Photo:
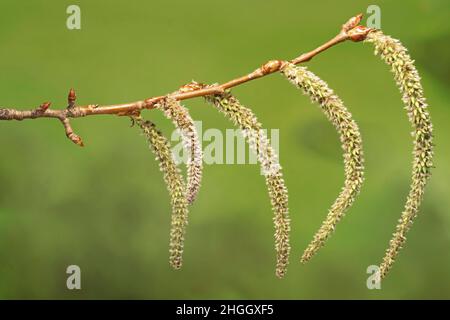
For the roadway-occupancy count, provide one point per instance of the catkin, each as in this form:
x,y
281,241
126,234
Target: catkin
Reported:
x,y
175,184
179,115
351,143
393,53
259,142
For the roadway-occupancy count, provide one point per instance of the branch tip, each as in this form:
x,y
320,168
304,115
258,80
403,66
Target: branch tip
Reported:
x,y
352,23
76,139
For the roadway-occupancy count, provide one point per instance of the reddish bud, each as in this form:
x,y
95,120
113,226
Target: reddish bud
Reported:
x,y
72,96
45,106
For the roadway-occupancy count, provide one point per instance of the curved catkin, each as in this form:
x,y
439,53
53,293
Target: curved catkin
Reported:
x,y
394,54
258,141
179,115
175,185
350,137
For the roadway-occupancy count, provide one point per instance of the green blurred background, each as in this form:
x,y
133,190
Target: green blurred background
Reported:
x,y
105,207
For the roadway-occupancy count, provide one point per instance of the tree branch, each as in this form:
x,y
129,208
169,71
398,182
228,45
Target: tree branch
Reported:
x,y
351,30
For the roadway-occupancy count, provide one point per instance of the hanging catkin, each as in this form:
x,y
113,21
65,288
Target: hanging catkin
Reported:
x,y
258,141
351,143
160,146
180,117
393,53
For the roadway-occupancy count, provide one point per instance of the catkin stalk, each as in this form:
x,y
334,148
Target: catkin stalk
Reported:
x,y
393,53
351,143
258,141
175,185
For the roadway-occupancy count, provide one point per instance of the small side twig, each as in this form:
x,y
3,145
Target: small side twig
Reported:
x,y
70,134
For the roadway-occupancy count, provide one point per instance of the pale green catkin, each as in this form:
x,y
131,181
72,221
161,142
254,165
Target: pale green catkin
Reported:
x,y
160,146
180,117
350,137
393,53
258,141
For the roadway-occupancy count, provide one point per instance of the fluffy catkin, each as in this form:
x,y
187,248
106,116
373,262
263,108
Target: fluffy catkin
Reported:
x,y
350,137
175,184
179,115
258,141
393,53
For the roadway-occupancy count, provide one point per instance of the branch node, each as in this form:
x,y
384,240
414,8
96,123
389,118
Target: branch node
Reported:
x,y
218,90
151,102
272,66
359,33
192,86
